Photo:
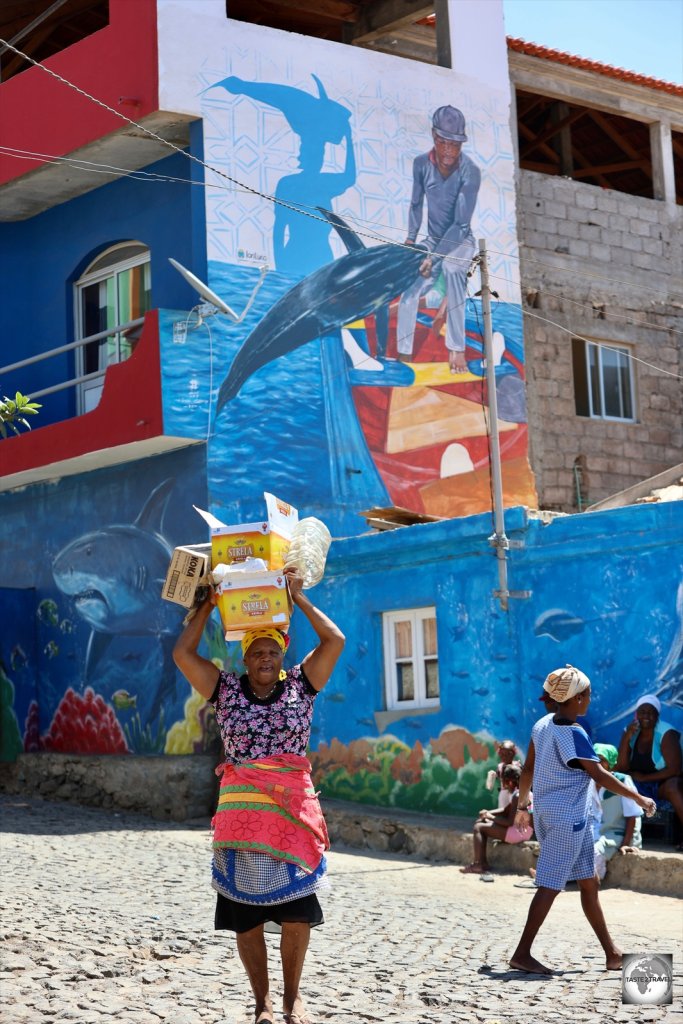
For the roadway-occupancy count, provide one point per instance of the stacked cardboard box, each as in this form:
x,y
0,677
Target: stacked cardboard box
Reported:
x,y
246,597
261,598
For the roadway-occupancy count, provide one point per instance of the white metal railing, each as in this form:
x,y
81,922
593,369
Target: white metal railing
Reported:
x,y
100,336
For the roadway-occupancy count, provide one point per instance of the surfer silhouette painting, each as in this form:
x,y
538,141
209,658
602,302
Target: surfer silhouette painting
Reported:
x,y
301,243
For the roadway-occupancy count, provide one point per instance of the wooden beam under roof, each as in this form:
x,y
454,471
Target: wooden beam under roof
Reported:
x,y
411,42
554,129
27,29
616,136
383,17
336,10
529,133
612,168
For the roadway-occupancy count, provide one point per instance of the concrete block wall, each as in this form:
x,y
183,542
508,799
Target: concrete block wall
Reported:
x,y
608,267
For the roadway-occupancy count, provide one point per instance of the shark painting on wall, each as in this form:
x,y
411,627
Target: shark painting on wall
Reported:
x,y
87,640
113,577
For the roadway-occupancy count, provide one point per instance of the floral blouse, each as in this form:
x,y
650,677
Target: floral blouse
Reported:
x,y
252,728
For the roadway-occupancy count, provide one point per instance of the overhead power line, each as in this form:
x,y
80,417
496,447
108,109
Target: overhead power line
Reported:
x,y
237,185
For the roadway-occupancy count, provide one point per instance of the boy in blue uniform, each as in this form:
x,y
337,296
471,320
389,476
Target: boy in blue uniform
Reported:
x,y
559,767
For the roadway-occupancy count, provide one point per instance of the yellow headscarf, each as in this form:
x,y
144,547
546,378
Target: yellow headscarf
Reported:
x,y
263,632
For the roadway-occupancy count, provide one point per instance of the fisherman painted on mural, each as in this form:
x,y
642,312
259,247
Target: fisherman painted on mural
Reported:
x,y
449,180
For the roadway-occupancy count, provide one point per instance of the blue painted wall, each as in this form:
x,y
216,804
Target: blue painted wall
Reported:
x,y
43,256
606,595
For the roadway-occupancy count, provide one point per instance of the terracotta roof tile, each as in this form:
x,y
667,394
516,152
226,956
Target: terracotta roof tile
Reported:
x,y
544,52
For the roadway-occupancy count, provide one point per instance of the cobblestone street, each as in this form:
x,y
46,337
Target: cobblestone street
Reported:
x,y
109,917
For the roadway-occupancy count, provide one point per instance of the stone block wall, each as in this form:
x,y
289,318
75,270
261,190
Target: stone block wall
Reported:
x,y
608,267
449,841
166,787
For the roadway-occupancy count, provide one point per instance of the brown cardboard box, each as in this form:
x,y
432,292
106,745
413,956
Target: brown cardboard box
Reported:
x,y
188,570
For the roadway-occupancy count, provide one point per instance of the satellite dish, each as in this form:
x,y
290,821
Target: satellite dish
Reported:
x,y
204,290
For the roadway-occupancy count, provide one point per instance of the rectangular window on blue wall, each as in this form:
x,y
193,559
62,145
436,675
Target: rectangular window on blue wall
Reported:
x,y
411,664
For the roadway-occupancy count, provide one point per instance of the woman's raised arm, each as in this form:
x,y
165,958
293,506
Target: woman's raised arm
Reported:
x,y
318,664
200,673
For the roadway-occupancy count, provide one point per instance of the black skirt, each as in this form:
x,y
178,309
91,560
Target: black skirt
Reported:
x,y
242,917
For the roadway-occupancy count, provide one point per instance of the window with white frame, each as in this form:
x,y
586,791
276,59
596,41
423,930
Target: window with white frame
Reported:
x,y
114,290
603,380
411,664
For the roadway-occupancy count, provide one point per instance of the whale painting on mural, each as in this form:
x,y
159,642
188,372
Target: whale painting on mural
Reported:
x,y
328,174
361,283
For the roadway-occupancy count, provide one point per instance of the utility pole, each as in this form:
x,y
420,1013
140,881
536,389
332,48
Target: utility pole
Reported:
x,y
498,540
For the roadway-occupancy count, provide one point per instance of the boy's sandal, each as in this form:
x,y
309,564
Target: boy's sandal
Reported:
x,y
486,877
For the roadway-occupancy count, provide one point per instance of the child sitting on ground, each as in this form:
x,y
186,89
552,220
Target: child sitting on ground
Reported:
x,y
506,751
616,827
499,824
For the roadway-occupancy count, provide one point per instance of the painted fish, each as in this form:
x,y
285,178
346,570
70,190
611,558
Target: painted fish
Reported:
x,y
123,701
17,658
48,612
558,624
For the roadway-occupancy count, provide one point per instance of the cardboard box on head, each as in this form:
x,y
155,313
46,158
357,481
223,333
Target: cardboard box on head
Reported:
x,y
269,539
253,598
246,601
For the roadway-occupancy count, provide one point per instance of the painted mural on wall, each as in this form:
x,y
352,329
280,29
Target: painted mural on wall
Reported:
x,y
343,386
359,363
85,658
446,776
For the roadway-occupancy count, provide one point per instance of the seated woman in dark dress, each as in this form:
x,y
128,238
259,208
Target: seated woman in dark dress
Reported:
x,y
650,752
269,833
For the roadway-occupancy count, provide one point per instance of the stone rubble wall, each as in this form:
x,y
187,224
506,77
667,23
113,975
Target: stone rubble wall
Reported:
x,y
170,788
586,252
450,841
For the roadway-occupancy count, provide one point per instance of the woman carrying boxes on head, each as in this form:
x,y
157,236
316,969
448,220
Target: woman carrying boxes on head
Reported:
x,y
269,832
